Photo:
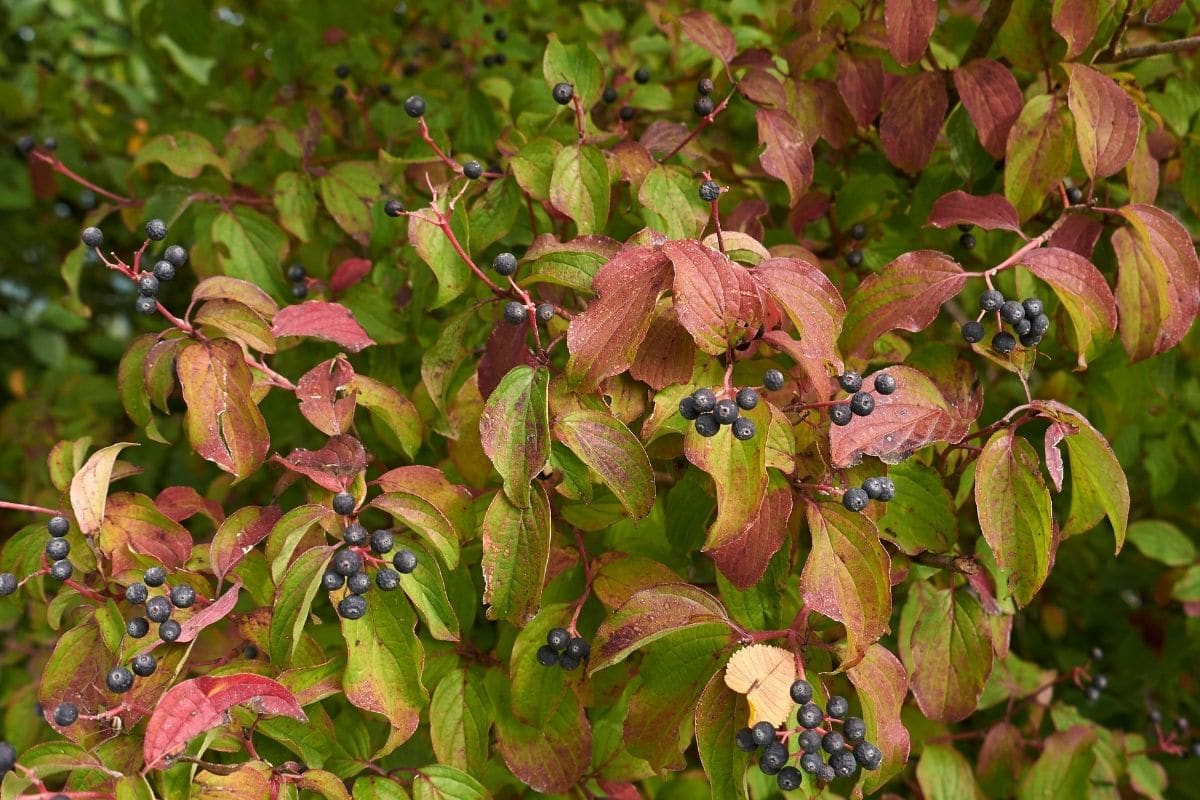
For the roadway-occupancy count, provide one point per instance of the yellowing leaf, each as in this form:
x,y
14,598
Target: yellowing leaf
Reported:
x,y
764,673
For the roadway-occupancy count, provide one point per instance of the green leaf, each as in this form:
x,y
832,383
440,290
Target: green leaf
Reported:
x,y
1013,504
1187,587
579,187
348,190
460,717
672,204
1040,147
370,787
515,429
392,411
293,602
922,515
439,782
533,166
186,154
1163,542
426,588
516,552
574,64
944,774
738,470
1063,768
296,201
550,758
251,247
720,713
603,443
435,249
651,614
424,500
195,67
495,214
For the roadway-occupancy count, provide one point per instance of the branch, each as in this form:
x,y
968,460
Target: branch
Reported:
x,y
1111,48
963,565
989,26
1153,49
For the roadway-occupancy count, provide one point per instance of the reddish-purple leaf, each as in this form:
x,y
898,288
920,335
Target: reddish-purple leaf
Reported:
x,y
787,154
1054,457
704,30
817,368
89,487
917,414
223,422
1081,289
325,396
506,348
237,536
221,287
913,110
210,614
184,502
348,273
907,294
195,706
649,615
514,429
1161,10
1077,233
604,339
743,559
333,467
424,500
1106,120
990,212
946,647
993,101
909,26
763,89
134,526
882,686
716,300
668,354
321,320
1158,281
860,82
847,576
811,302
1076,21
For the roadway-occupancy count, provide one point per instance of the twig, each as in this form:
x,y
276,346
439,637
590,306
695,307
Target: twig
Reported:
x,y
1153,49
64,170
25,507
964,565
989,26
1111,48
704,123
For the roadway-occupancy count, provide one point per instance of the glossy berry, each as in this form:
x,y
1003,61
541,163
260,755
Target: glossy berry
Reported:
x,y
811,762
145,305
547,656
387,579
641,75
473,170
8,583
57,549
854,258
354,535
382,542
568,662
156,230
858,231
862,403
991,300
705,400
887,490
137,627
705,86
562,93
687,408
1033,306
92,237
1075,195
967,241
609,95
833,742
850,381
1041,324
143,665
344,503
155,576
789,779
873,487
296,273
65,715
810,716
544,312
170,630
744,739
158,609
58,526
764,733
801,691
62,570
176,255
774,757
183,596
747,399
393,208
358,583
707,425
743,429
703,106
515,312
164,270
405,561
844,764
331,580
972,332
1022,327
346,563
840,414
505,264
579,648
868,755
726,411
415,106
855,500
709,191
147,284
885,384
1004,343
558,638
773,380
626,113
1012,312
837,707
353,606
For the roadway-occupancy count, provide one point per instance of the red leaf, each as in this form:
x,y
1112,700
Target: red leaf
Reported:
x,y
1161,10
348,273
333,467
223,421
811,302
787,154
668,354
744,558
990,212
505,349
909,26
913,110
183,502
716,300
907,294
132,524
1076,21
238,534
917,414
604,339
1054,458
320,320
1106,120
1078,233
212,613
882,685
318,390
993,101
222,287
190,708
860,82
701,28
763,89
1081,289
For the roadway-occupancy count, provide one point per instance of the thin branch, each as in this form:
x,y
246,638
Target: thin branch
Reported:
x,y
24,507
989,26
1113,43
963,565
1153,49
64,170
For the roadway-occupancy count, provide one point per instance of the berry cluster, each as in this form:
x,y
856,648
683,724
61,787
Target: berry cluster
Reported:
x,y
148,282
708,413
861,403
854,257
516,312
844,751
349,566
57,551
1027,319
563,649
966,238
298,277
881,489
704,103
158,608
343,72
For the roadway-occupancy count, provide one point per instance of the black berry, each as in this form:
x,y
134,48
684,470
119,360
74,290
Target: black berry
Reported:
x,y
810,741
609,95
414,107
854,729
854,258
837,707
158,609
1022,327
299,291
547,656
1041,324
705,400
387,579
811,762
687,408
641,75
58,525
384,89
868,755
703,106
773,380
65,715
709,191
810,716
501,35
342,71
873,487
825,773
183,596
382,542
844,764
745,740
8,757
505,264
568,662
858,231
515,312
544,312
991,300
352,606
764,733
331,580
92,237
164,270
62,570
147,284
1033,306
344,503
472,170
850,381
170,630
346,563
1012,312
358,583
1004,343
747,399
405,561
354,535
176,255
562,93
743,429
393,208
972,332
145,305
626,113
338,93
143,665
840,414
855,499
726,411
558,638
57,549
156,230
154,577
1075,195
832,742
887,490
707,425
8,583
862,403
884,383
26,144
967,241
705,86
579,648
789,779
296,273
801,691
137,627
774,757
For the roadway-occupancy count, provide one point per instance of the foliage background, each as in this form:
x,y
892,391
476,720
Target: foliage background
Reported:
x,y
106,78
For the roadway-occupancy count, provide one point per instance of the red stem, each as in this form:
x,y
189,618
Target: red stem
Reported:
x,y
24,507
64,170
